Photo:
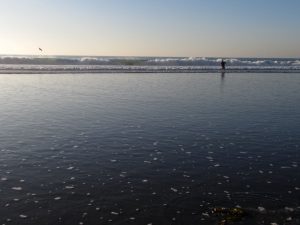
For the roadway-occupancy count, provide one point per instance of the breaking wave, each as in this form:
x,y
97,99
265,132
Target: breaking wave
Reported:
x,y
143,64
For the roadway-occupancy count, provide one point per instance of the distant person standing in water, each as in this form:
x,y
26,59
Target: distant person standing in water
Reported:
x,y
223,64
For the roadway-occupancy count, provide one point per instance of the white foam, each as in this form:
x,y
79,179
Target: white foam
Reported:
x,y
55,64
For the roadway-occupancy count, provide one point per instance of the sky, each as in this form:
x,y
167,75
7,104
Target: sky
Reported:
x,y
191,28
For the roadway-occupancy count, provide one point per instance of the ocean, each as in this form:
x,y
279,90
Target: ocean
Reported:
x,y
88,64
149,148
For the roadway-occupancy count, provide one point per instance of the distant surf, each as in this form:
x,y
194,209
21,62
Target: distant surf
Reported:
x,y
79,64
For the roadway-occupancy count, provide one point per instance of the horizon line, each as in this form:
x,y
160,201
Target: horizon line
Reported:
x,y
141,56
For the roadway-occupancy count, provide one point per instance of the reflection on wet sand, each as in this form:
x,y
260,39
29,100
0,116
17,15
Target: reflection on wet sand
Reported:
x,y
149,149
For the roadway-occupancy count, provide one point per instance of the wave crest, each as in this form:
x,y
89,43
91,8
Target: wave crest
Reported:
x,y
144,63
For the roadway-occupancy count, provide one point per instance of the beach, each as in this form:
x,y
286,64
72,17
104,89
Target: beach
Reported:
x,y
149,112
150,148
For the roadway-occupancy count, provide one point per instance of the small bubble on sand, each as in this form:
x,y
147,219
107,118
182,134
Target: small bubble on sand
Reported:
x,y
17,188
174,189
261,209
69,187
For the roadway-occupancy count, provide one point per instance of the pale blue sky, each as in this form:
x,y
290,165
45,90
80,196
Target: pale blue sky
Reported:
x,y
260,28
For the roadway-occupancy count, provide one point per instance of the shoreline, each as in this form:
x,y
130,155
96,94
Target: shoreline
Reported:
x,y
91,71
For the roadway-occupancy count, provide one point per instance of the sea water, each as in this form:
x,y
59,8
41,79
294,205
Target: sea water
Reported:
x,y
88,64
149,148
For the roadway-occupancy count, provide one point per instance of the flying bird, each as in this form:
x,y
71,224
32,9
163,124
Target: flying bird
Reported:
x,y
40,49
